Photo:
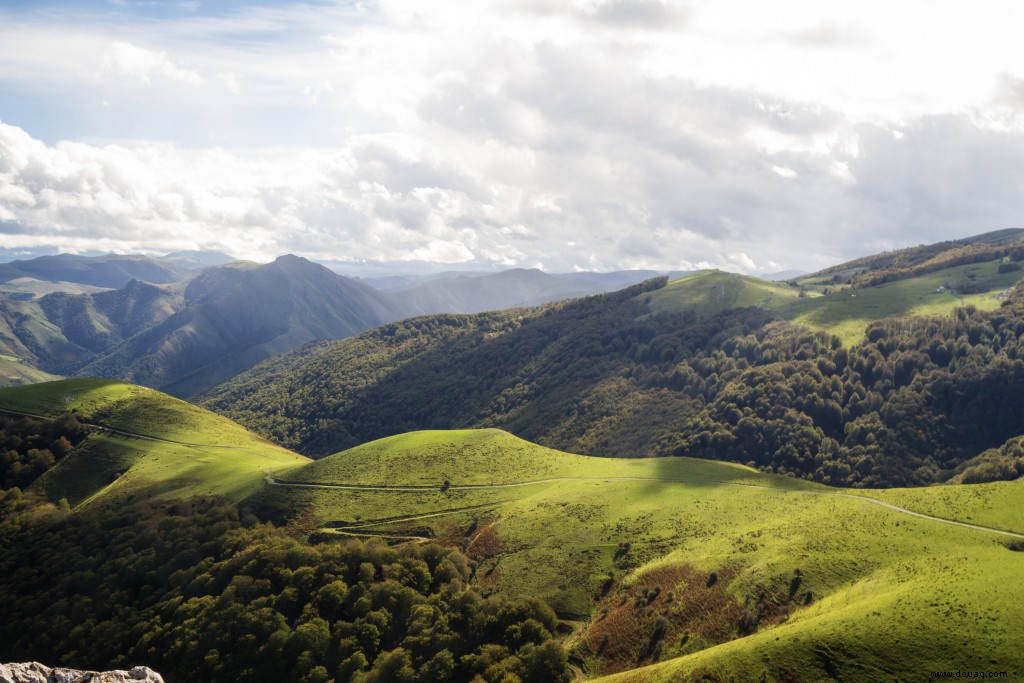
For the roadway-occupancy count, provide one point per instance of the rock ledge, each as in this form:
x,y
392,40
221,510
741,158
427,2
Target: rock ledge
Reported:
x,y
34,672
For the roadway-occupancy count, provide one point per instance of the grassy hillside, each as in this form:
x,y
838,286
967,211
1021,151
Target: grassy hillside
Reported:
x,y
713,291
152,445
843,311
900,264
848,312
678,369
492,457
809,582
688,569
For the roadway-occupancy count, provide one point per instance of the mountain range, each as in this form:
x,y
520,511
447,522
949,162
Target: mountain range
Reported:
x,y
854,384
182,325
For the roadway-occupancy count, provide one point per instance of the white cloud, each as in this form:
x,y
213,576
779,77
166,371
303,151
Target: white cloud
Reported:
x,y
499,132
138,62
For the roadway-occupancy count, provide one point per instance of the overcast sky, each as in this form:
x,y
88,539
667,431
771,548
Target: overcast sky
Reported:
x,y
565,135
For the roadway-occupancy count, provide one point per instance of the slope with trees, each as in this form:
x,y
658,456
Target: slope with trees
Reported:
x,y
606,376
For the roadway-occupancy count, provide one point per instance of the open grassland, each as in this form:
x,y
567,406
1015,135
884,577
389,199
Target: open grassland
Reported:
x,y
492,456
713,291
846,313
150,444
842,312
707,568
999,504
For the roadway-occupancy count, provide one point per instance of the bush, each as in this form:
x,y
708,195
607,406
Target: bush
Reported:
x,y
1008,267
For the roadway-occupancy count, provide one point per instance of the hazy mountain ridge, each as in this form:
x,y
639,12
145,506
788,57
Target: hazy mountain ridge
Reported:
x,y
99,321
237,315
219,320
109,271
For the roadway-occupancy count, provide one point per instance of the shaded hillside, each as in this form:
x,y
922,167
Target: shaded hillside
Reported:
x,y
183,338
27,337
98,321
109,271
61,332
607,376
237,315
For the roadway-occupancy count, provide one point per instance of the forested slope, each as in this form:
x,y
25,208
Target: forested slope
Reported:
x,y
917,399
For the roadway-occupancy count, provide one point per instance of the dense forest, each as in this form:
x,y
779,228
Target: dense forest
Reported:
x,y
198,591
911,405
30,446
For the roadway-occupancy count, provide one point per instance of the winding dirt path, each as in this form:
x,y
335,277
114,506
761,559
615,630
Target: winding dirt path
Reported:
x,y
455,487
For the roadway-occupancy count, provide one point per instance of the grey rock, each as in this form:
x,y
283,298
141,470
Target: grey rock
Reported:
x,y
34,672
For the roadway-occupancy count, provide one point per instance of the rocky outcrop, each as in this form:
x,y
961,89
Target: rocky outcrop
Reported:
x,y
34,672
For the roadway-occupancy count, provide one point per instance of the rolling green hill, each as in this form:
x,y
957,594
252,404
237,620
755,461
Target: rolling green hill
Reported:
x,y
146,443
728,573
660,568
711,365
844,311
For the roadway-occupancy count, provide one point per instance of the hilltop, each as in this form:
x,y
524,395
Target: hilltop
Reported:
x,y
701,566
139,440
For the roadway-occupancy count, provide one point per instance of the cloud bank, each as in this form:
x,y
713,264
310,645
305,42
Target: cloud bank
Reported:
x,y
594,135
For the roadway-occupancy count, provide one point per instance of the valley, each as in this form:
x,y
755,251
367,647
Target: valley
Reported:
x,y
815,582
854,512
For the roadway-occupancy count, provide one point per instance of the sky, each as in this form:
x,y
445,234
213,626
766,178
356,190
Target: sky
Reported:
x,y
564,135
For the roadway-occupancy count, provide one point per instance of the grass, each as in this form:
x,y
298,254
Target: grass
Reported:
x,y
997,504
712,291
626,548
189,451
892,595
15,373
846,312
493,456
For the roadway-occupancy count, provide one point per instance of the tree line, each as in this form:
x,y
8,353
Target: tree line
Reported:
x,y
199,591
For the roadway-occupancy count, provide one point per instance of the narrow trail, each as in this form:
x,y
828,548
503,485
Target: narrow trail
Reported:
x,y
455,487
367,534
